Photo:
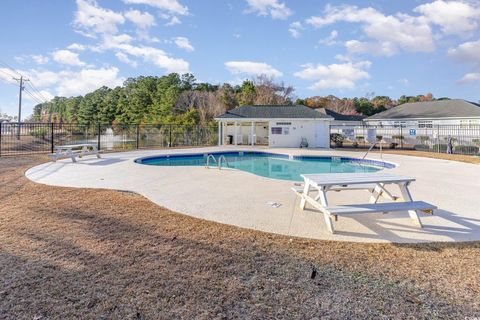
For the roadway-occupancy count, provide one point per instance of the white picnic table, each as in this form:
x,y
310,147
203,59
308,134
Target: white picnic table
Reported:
x,y
374,183
74,150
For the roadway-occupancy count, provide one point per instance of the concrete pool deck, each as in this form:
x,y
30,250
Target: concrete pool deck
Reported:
x,y
241,198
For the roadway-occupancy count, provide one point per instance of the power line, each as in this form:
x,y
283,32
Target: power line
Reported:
x,y
38,92
9,67
8,74
34,97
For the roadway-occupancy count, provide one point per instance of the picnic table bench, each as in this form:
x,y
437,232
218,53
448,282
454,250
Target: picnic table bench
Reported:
x,y
74,150
374,183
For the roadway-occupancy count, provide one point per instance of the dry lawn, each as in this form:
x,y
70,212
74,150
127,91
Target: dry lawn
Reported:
x,y
72,253
425,154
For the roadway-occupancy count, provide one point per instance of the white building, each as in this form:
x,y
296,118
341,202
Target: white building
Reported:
x,y
428,114
274,126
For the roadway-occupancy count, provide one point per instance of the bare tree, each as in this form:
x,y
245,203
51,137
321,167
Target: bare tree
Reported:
x,y
271,93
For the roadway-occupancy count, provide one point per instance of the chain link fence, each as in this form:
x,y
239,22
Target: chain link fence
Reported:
x,y
32,138
433,138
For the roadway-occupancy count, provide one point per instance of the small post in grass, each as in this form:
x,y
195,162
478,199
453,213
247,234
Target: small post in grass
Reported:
x,y
52,144
98,142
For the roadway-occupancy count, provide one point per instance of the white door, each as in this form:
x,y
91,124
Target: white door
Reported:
x,y
322,135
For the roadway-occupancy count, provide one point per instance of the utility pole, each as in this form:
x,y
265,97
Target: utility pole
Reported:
x,y
21,80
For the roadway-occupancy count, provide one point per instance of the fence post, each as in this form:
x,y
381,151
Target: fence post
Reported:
x,y
0,139
170,136
401,136
52,145
98,142
138,136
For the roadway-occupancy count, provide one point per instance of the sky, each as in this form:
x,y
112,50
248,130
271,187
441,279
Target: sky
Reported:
x,y
344,48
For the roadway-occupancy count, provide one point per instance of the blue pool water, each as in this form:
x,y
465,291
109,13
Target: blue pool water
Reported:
x,y
270,165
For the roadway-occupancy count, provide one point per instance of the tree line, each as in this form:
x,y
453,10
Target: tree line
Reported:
x,y
366,106
181,99
172,98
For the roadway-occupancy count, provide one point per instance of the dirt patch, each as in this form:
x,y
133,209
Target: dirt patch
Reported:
x,y
82,253
425,154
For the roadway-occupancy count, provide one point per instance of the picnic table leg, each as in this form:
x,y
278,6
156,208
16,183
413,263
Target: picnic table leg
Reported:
x,y
381,191
376,192
326,216
71,155
408,197
95,150
56,155
306,190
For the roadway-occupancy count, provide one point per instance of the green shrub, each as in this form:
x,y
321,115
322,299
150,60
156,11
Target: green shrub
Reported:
x,y
421,147
476,141
398,137
466,149
360,138
40,132
440,147
337,139
379,138
393,145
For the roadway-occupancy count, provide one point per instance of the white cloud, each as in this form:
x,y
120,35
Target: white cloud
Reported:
x,y
173,21
143,20
454,17
6,75
466,52
470,77
183,43
334,76
76,47
87,80
71,83
67,57
39,59
295,29
404,81
272,8
385,48
42,96
172,6
400,31
125,59
157,57
252,68
330,40
94,19
36,58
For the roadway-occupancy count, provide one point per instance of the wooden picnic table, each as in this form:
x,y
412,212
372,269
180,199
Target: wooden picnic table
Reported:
x,y
374,183
74,150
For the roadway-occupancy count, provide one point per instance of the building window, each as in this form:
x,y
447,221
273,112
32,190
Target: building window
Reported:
x,y
284,123
399,124
276,130
425,124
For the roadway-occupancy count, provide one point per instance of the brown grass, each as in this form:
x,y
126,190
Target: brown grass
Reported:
x,y
425,154
78,253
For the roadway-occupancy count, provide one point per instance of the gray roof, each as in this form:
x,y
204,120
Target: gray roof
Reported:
x,y
341,117
273,112
455,108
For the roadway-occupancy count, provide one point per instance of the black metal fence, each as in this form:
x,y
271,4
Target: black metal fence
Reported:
x,y
434,138
31,138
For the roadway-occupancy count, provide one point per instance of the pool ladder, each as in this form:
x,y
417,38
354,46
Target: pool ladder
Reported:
x,y
218,162
370,149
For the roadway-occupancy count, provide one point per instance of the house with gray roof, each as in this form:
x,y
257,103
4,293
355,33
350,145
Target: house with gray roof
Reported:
x,y
429,113
274,126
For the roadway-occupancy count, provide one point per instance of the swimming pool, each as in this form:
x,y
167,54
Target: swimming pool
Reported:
x,y
272,165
